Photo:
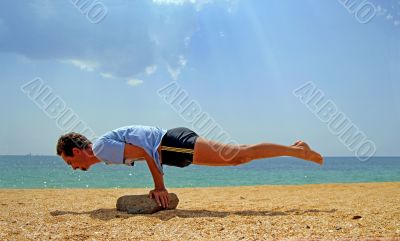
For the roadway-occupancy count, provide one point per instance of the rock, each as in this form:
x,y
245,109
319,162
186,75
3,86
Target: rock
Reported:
x,y
357,217
142,204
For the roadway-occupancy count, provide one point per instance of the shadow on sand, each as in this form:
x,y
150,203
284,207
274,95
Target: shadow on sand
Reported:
x,y
165,215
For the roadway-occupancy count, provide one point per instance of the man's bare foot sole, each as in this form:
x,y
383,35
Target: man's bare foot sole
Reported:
x,y
310,155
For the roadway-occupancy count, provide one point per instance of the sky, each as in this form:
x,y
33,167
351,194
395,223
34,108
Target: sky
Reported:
x,y
240,61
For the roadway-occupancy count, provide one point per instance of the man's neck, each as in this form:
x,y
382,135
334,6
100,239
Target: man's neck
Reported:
x,y
93,159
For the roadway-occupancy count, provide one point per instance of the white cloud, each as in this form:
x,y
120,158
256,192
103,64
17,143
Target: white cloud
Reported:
x,y
380,10
174,2
389,17
197,3
163,39
151,69
182,61
107,75
397,23
186,41
134,82
83,64
175,72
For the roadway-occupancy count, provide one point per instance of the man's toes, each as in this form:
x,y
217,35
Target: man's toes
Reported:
x,y
296,143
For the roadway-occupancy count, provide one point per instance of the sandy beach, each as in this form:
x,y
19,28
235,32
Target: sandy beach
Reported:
x,y
319,211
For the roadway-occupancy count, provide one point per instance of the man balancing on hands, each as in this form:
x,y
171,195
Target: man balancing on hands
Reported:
x,y
178,147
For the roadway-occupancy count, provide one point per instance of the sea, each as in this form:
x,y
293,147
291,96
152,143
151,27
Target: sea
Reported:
x,y
32,171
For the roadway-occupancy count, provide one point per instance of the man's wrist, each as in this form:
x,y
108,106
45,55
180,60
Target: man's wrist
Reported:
x,y
157,187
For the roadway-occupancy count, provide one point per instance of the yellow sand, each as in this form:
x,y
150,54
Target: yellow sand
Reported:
x,y
229,213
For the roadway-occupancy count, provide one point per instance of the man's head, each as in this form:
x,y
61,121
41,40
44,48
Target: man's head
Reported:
x,y
76,150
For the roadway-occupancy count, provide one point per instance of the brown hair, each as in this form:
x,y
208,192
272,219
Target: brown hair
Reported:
x,y
71,140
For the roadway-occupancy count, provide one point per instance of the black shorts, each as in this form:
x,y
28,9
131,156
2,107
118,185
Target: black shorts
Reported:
x,y
177,147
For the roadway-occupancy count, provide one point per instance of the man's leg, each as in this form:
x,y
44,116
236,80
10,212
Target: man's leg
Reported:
x,y
212,153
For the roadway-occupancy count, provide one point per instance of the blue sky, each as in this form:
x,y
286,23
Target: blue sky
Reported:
x,y
240,60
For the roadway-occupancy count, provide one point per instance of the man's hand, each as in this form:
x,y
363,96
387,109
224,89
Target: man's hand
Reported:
x,y
161,196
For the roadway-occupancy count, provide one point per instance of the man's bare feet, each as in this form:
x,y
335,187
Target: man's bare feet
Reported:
x,y
309,154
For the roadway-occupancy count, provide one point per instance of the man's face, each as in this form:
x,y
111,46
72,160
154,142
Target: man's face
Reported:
x,y
79,160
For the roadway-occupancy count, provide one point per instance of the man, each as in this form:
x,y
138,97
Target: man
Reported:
x,y
178,147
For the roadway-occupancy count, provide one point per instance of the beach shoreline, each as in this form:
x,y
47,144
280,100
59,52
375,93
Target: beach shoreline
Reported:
x,y
311,211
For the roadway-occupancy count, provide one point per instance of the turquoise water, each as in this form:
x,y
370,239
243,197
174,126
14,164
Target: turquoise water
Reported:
x,y
51,172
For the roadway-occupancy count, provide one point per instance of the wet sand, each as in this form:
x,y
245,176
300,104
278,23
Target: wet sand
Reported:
x,y
318,211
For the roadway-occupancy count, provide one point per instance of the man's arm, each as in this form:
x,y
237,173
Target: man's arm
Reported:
x,y
157,176
160,193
